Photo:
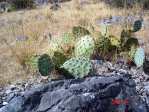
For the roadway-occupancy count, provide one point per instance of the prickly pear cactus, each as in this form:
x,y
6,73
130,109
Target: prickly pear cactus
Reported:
x,y
139,57
33,62
84,47
114,41
125,35
58,59
103,43
67,38
45,65
137,25
79,31
131,42
78,67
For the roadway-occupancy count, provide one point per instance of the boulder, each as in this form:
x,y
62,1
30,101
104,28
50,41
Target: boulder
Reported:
x,y
91,94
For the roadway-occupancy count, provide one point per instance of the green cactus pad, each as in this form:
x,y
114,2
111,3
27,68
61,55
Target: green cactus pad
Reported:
x,y
103,43
84,47
139,57
125,35
67,38
114,41
78,67
131,42
58,59
79,31
45,65
137,25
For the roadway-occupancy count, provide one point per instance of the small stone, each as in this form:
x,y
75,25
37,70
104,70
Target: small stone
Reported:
x,y
5,103
21,38
8,91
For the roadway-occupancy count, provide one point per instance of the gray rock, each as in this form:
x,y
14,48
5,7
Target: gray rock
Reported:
x,y
21,38
92,94
14,105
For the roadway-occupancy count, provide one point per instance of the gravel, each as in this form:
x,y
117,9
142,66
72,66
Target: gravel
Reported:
x,y
99,68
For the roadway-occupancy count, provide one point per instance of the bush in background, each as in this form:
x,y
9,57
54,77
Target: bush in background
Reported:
x,y
22,4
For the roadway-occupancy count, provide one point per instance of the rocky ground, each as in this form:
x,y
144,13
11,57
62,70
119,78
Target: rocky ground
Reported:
x,y
100,69
9,93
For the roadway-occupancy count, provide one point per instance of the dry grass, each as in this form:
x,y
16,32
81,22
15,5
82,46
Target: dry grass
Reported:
x,y
36,23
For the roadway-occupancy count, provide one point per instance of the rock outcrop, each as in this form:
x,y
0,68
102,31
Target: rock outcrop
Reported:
x,y
91,94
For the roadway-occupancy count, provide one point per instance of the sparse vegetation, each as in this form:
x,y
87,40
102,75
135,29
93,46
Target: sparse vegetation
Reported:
x,y
67,27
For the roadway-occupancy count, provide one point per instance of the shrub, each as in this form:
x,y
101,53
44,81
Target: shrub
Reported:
x,y
22,4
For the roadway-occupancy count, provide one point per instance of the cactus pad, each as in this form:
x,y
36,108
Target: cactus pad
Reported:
x,y
58,59
104,43
67,38
131,42
114,41
45,65
137,25
84,47
79,31
78,67
139,57
125,35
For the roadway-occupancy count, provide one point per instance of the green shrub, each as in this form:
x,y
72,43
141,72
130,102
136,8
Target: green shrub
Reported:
x,y
22,4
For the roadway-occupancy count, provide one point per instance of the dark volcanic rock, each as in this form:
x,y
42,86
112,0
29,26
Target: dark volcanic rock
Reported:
x,y
92,94
146,66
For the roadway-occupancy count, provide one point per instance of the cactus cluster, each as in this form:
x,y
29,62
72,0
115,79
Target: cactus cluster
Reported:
x,y
78,67
84,47
74,50
127,39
